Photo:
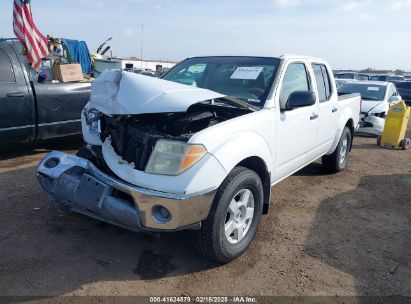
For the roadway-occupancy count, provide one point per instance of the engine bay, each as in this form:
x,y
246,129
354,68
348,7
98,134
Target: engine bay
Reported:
x,y
133,137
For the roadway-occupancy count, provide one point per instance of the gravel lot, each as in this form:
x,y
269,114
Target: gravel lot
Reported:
x,y
343,234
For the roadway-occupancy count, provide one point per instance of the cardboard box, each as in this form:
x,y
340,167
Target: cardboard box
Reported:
x,y
67,72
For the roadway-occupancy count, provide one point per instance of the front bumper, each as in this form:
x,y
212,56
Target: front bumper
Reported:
x,y
77,185
370,124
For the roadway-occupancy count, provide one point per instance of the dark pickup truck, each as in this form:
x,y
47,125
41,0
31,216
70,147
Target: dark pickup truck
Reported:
x,y
31,111
404,89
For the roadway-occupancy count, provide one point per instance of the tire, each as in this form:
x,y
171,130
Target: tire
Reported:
x,y
405,144
337,161
211,240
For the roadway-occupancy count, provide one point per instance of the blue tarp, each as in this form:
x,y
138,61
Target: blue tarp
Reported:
x,y
79,53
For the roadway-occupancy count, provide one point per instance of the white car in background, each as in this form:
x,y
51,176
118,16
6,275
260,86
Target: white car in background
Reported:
x,y
377,97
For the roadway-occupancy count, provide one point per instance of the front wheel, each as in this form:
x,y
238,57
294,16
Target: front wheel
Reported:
x,y
337,161
234,217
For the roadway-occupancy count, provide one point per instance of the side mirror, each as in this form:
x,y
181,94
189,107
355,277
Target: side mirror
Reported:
x,y
395,99
299,99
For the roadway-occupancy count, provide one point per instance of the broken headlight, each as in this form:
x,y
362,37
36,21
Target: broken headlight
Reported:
x,y
93,120
174,157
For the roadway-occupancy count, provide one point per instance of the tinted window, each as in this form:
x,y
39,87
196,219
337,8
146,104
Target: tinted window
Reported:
x,y
395,78
345,76
404,85
6,70
295,79
379,78
362,77
246,78
323,82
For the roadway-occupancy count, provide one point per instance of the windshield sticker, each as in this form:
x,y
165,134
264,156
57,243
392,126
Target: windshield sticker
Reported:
x,y
247,73
373,89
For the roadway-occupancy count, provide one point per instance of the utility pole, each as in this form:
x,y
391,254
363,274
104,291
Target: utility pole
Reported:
x,y
141,50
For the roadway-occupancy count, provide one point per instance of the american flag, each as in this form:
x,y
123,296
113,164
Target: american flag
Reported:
x,y
25,30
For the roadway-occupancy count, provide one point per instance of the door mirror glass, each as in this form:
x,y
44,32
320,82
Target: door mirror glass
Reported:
x,y
299,99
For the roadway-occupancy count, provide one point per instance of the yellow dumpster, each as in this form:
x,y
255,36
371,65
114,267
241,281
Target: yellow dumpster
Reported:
x,y
395,127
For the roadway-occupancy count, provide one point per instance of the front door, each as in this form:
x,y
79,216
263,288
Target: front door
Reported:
x,y
296,129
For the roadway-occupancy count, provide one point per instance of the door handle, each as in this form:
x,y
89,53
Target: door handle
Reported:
x,y
313,116
15,94
334,110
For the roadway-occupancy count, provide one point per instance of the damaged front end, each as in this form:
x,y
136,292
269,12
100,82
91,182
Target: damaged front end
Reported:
x,y
77,185
134,137
372,122
139,169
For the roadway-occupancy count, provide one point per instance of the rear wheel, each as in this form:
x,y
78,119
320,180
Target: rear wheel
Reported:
x,y
337,161
234,217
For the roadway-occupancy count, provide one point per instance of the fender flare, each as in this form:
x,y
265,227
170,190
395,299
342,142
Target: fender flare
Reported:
x,y
246,145
249,147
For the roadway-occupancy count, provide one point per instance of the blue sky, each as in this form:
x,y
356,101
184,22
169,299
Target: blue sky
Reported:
x,y
349,34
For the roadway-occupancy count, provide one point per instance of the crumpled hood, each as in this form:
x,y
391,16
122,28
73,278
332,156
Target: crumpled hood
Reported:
x,y
120,93
374,106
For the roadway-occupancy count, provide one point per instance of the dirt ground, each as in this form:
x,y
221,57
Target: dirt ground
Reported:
x,y
343,234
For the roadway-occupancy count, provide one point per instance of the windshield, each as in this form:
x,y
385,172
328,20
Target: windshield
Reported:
x,y
246,78
367,91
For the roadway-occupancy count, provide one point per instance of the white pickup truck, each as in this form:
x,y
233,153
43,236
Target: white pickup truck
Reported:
x,y
201,148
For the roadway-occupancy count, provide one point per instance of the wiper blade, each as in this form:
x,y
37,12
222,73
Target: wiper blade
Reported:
x,y
238,103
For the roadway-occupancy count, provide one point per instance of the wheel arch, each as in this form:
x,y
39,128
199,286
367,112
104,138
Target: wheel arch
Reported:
x,y
350,126
252,152
258,165
344,122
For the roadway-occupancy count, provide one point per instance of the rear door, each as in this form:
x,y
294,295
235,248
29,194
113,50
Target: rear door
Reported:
x,y
327,108
59,108
296,129
17,116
